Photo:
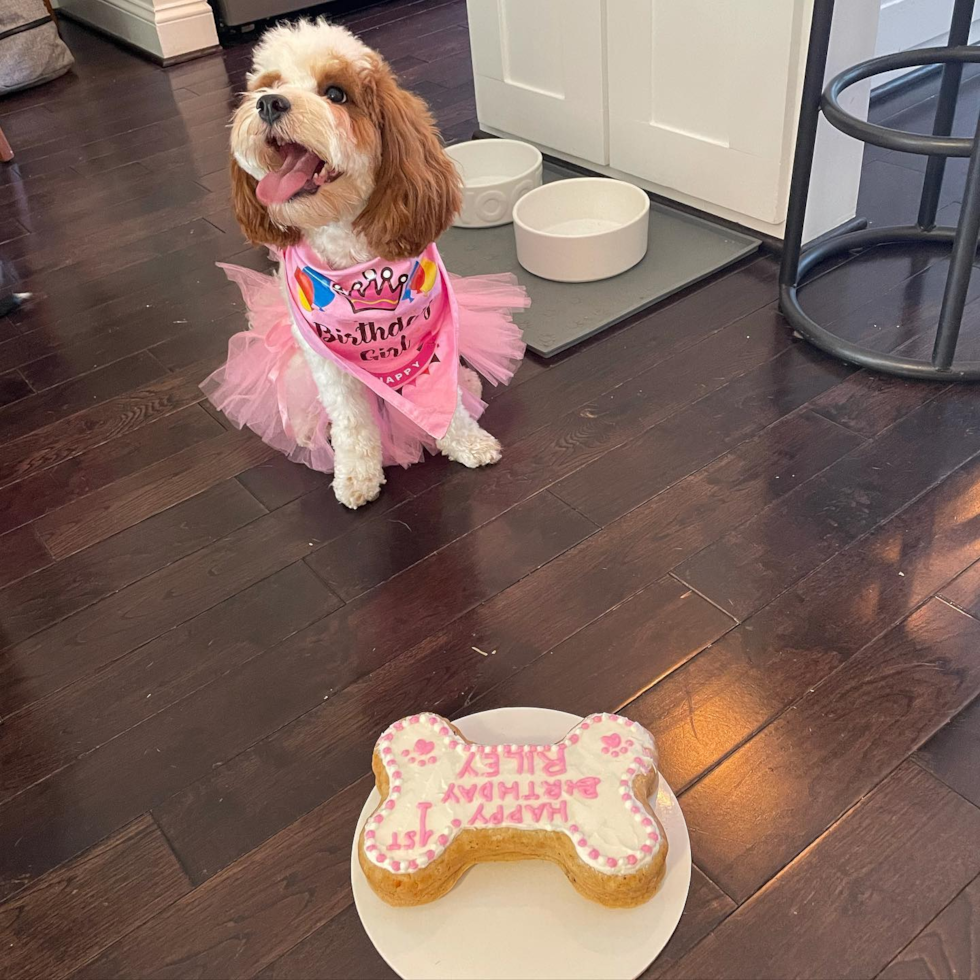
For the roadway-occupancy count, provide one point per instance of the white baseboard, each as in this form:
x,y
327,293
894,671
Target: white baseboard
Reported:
x,y
164,29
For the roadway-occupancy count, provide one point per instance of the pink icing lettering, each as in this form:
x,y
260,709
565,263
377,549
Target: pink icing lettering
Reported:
x,y
468,792
491,764
486,791
505,790
515,815
497,817
555,766
517,755
424,833
587,787
478,816
529,754
530,794
468,768
450,795
537,812
551,788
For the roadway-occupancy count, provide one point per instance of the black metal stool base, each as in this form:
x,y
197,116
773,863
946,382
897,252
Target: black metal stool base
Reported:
x,y
906,367
962,239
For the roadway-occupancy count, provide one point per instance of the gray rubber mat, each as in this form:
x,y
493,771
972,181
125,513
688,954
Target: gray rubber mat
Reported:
x,y
683,249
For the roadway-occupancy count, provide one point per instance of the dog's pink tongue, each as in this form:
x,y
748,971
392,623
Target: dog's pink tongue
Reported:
x,y
297,168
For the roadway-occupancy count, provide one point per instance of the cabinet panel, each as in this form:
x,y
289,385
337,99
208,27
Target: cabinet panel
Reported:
x,y
539,67
702,96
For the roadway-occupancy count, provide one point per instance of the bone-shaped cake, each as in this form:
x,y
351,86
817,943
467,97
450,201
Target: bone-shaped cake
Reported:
x,y
447,804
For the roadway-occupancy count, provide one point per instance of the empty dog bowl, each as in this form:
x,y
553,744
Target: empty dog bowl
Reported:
x,y
582,229
496,174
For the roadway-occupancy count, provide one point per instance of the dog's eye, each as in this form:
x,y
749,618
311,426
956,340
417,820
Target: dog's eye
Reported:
x,y
335,94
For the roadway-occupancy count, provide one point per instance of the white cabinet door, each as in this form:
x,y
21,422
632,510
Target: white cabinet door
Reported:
x,y
539,67
702,96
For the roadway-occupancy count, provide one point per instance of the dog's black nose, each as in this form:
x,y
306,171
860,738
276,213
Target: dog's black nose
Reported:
x,y
272,107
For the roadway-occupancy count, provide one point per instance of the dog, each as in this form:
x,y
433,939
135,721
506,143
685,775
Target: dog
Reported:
x,y
328,150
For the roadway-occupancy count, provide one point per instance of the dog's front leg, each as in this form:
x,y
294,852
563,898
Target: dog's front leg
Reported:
x,y
465,442
358,475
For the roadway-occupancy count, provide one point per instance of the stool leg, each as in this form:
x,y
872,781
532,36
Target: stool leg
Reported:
x,y
960,264
806,139
949,90
6,153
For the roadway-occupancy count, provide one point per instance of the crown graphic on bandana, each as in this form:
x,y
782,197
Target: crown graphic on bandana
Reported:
x,y
374,291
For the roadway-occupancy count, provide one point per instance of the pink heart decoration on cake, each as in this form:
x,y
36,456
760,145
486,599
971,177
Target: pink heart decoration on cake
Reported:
x,y
613,741
424,748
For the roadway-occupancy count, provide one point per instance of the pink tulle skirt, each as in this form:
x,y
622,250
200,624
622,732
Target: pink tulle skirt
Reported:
x,y
266,384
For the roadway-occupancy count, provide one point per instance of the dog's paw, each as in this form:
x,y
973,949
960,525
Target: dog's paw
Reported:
x,y
355,488
478,449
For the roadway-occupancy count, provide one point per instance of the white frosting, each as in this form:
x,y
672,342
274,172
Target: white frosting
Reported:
x,y
440,785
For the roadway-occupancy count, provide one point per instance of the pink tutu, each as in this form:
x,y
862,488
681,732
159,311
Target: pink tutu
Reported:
x,y
266,384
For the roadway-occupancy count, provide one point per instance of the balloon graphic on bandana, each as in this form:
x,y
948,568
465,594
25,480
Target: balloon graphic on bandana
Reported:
x,y
315,290
421,279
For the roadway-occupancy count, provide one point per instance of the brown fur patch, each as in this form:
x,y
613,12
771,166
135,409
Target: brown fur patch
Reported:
x,y
252,216
268,79
417,187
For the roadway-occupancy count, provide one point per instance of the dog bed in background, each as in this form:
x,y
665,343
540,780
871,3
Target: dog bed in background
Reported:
x,y
31,52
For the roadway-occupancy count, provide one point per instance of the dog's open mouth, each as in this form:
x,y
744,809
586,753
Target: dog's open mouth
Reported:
x,y
301,172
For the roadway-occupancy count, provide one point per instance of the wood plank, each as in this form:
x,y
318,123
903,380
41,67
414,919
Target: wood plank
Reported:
x,y
85,430
964,591
952,753
831,748
23,554
705,709
464,500
194,581
48,408
339,948
277,481
13,387
707,905
73,913
647,636
378,625
241,920
753,564
46,490
844,908
635,471
132,499
54,731
948,947
45,597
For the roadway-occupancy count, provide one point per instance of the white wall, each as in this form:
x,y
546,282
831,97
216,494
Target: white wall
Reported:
x,y
907,24
165,29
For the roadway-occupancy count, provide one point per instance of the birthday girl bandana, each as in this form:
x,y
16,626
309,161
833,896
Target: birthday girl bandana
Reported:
x,y
393,325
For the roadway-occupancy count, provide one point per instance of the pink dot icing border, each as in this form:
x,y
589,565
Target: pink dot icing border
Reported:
x,y
640,766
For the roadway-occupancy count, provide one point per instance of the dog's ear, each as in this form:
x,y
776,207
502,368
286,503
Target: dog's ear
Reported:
x,y
417,188
253,218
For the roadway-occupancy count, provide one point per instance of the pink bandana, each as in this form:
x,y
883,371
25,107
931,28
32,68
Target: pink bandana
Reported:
x,y
394,325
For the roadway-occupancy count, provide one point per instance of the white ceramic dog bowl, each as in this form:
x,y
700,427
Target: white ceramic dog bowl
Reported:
x,y
496,175
582,229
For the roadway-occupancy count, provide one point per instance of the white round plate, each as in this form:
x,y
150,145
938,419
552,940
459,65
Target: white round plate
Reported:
x,y
523,919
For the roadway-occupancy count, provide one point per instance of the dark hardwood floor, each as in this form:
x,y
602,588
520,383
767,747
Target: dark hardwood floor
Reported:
x,y
770,559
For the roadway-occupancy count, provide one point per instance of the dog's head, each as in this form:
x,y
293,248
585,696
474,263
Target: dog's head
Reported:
x,y
324,134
